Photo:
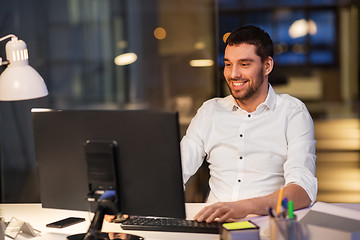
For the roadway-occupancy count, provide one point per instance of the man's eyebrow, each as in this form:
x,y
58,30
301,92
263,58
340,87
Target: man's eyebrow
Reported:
x,y
241,60
246,60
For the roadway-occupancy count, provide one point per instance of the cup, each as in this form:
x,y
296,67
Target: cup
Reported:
x,y
285,229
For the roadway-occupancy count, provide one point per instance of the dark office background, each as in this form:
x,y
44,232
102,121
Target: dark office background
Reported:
x,y
73,44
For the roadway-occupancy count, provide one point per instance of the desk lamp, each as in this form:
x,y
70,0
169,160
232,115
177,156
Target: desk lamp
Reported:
x,y
18,81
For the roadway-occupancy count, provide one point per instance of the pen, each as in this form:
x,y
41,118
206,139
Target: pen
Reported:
x,y
271,214
291,209
285,203
278,206
284,207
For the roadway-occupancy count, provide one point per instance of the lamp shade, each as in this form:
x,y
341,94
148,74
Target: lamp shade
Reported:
x,y
19,81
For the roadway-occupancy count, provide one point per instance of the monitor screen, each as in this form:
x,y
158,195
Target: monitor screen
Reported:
x,y
148,161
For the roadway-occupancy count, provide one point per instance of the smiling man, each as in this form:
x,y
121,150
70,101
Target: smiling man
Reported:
x,y
255,141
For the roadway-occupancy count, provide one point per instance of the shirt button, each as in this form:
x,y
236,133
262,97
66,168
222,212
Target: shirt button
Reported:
x,y
241,135
249,115
239,180
241,157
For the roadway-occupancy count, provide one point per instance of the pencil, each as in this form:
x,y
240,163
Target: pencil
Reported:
x,y
278,206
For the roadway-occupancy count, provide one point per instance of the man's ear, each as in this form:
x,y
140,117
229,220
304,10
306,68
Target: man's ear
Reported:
x,y
268,65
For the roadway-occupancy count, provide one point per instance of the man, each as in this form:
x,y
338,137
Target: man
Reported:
x,y
254,140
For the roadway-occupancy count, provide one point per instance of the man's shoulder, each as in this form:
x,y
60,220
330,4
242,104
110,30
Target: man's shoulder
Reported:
x,y
291,101
218,104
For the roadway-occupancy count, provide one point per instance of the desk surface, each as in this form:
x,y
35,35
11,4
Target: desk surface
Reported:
x,y
38,217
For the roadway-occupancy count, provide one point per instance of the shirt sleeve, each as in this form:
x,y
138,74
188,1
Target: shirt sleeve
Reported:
x,y
299,167
192,147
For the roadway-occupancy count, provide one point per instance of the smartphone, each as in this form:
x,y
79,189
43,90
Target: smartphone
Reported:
x,y
100,159
65,222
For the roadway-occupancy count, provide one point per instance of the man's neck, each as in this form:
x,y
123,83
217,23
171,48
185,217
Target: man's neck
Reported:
x,y
252,103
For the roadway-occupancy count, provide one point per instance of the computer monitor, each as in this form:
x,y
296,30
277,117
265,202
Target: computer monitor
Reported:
x,y
148,161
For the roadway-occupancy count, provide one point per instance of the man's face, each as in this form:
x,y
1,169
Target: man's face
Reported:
x,y
244,72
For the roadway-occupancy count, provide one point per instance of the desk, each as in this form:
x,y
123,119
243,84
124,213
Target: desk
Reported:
x,y
38,217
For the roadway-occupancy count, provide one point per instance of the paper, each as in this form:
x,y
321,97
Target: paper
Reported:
x,y
239,225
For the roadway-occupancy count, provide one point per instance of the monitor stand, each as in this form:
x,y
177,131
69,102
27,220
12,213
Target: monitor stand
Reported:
x,y
105,236
94,231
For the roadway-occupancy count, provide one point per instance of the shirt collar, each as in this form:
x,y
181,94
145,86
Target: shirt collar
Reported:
x,y
269,102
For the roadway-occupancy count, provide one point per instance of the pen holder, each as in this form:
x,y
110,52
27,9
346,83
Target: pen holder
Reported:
x,y
284,229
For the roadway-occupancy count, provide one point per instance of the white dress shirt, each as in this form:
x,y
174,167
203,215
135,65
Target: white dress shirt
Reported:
x,y
251,154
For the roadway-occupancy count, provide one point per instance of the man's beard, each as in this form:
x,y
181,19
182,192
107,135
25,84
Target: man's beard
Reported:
x,y
249,91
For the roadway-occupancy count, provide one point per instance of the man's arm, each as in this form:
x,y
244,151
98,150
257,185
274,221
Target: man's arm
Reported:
x,y
228,211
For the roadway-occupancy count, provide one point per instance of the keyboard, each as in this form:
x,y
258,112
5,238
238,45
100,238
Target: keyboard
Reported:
x,y
170,225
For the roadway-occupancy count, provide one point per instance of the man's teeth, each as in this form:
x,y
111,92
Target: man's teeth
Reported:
x,y
237,84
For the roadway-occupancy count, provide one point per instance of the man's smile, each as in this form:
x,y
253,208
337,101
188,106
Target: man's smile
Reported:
x,y
238,84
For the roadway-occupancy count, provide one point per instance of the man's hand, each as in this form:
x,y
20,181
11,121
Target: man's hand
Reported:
x,y
221,212
231,211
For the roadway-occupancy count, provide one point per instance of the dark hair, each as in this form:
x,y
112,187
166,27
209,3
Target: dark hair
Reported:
x,y
254,36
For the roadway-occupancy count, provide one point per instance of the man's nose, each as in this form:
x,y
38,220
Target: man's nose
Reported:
x,y
236,72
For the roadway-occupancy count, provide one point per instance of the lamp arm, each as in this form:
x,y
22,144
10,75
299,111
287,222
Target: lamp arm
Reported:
x,y
8,36
2,39
3,62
